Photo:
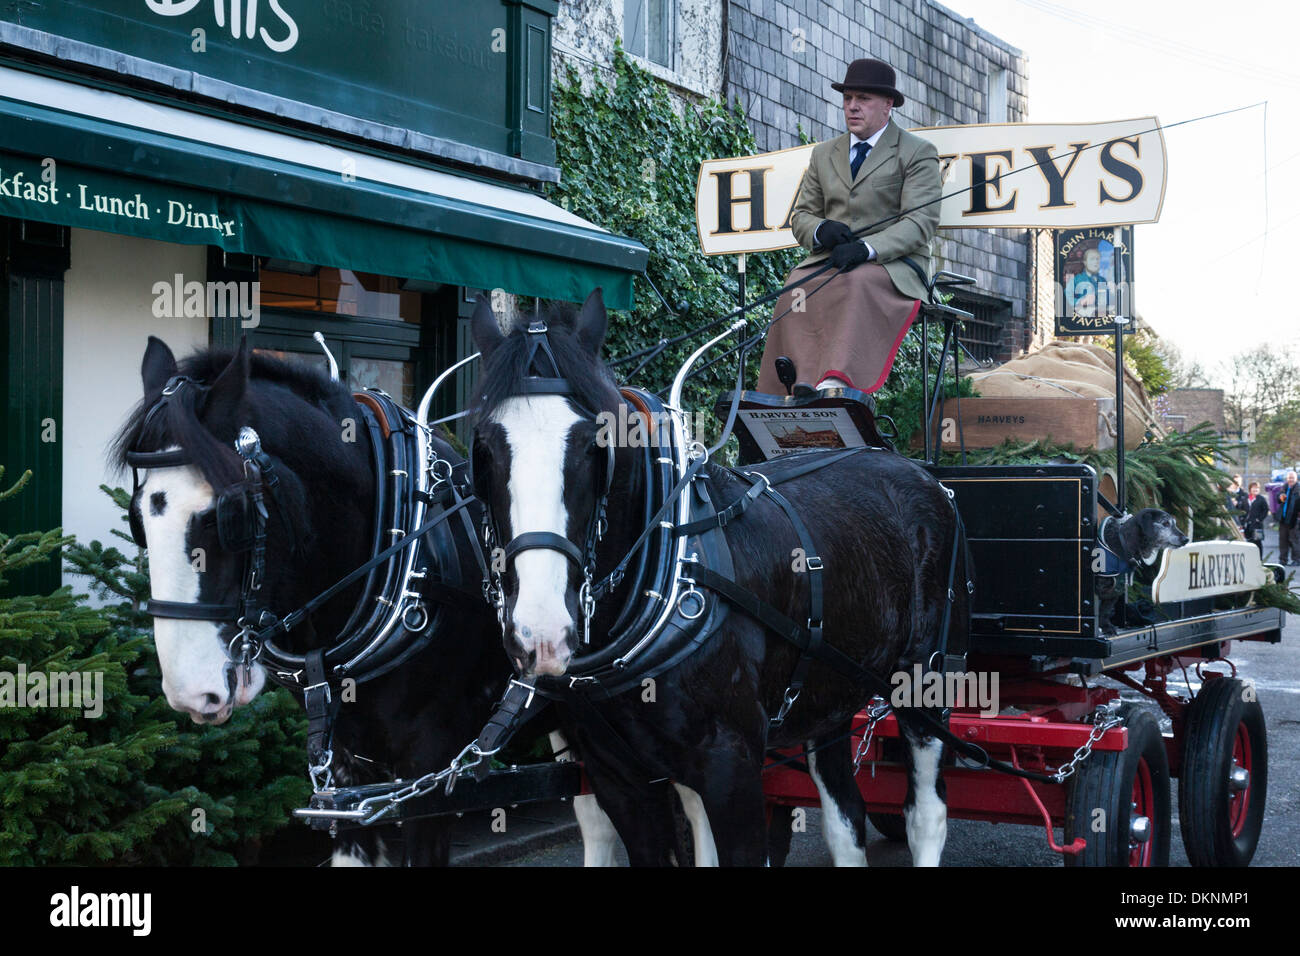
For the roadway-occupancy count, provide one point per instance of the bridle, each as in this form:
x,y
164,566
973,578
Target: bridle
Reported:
x,y
417,495
240,517
543,380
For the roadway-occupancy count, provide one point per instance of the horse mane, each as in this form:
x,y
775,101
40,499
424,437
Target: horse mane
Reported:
x,y
180,425
593,384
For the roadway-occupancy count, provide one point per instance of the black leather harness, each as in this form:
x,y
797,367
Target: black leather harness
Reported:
x,y
371,643
610,670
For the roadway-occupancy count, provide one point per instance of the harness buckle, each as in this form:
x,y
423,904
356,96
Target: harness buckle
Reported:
x,y
528,687
786,703
325,684
813,562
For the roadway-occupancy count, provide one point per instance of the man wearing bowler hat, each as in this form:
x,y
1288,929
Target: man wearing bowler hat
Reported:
x,y
869,203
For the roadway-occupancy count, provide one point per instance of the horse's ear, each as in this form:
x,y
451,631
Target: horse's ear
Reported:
x,y
228,390
593,320
484,328
158,366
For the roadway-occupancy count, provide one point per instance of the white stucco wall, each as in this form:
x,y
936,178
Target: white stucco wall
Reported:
x,y
583,34
108,317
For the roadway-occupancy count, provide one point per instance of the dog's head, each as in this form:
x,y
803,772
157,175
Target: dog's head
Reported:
x,y
1143,535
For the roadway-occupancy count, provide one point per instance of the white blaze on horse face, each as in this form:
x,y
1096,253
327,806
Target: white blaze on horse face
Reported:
x,y
190,653
537,430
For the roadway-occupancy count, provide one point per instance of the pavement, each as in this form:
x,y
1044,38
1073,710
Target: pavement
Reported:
x,y
513,833
547,835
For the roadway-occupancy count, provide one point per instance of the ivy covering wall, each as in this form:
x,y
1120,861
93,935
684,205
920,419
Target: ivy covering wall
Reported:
x,y
629,157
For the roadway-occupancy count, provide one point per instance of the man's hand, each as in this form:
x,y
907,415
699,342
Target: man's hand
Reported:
x,y
849,255
833,233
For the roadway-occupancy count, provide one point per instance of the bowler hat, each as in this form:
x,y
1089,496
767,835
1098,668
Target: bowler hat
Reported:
x,y
871,76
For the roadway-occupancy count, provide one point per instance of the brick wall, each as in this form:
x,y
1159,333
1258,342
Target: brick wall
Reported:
x,y
1188,407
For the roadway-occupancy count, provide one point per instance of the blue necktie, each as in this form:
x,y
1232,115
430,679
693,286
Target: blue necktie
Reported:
x,y
859,154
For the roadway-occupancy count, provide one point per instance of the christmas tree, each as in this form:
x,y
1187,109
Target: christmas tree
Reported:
x,y
118,778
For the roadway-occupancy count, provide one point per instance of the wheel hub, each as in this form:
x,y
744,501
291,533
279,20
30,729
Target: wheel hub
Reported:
x,y
1139,830
1238,778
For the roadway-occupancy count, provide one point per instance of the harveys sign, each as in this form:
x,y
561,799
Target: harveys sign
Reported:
x,y
1208,568
1006,176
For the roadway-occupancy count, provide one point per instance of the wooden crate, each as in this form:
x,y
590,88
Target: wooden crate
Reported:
x,y
988,422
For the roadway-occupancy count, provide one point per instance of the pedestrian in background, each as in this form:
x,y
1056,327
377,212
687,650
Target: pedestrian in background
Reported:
x,y
1256,513
1236,500
1288,549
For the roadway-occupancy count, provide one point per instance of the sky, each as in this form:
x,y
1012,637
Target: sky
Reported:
x,y
1217,274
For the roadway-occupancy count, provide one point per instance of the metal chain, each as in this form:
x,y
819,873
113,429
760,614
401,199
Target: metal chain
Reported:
x,y
1103,722
322,774
466,760
875,713
493,592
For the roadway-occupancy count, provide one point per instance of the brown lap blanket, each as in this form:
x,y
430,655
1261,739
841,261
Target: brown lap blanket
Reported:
x,y
852,323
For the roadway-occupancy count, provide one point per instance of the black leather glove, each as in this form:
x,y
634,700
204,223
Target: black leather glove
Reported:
x,y
832,233
848,255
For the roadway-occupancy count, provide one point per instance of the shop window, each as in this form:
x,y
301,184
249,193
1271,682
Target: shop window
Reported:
x,y
337,291
385,331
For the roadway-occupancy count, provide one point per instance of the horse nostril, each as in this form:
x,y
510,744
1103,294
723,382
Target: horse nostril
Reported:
x,y
212,701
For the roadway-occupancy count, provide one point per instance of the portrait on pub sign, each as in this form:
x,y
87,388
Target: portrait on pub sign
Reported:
x,y
1089,278
1094,279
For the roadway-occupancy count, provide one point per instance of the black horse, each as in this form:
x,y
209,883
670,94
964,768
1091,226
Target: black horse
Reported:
x,y
887,533
401,724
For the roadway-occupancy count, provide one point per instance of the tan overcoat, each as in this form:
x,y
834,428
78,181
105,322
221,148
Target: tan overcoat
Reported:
x,y
901,172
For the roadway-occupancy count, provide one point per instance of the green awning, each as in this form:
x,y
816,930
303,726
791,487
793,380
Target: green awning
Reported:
x,y
171,181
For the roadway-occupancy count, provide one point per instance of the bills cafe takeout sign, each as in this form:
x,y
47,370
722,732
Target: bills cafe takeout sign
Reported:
x,y
1007,176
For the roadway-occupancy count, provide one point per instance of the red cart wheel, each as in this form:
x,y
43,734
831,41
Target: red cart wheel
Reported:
x,y
1119,802
1225,775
